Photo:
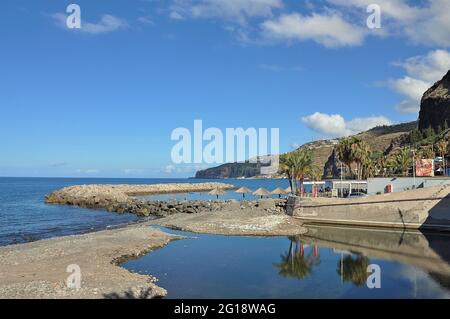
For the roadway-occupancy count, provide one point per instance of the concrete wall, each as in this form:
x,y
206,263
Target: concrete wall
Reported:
x,y
430,182
419,208
400,184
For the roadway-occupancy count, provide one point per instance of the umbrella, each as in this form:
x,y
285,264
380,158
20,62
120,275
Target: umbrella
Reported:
x,y
217,192
261,192
243,190
279,191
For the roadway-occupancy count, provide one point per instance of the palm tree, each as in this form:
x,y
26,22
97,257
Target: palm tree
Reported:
x,y
346,151
362,156
316,175
381,164
425,153
287,168
403,160
369,168
294,264
391,165
302,162
354,269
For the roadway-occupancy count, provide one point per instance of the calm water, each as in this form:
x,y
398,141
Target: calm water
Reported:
x,y
25,217
327,263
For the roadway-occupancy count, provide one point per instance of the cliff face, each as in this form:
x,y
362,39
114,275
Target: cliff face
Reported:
x,y
230,170
380,139
435,105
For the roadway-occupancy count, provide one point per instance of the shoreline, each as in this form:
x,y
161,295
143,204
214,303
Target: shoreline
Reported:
x,y
38,269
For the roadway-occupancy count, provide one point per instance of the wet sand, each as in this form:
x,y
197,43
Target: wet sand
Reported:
x,y
38,269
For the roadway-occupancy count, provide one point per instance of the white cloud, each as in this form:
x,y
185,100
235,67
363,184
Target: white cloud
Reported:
x,y
146,20
87,171
334,125
169,169
396,9
107,23
329,29
175,15
426,23
183,169
360,124
132,171
430,67
236,10
332,23
421,73
433,26
412,88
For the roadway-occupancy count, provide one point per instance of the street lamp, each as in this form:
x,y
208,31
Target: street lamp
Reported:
x,y
413,150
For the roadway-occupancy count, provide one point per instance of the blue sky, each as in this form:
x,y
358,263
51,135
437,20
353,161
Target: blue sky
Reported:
x,y
103,100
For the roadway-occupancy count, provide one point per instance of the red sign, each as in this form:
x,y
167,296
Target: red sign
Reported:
x,y
425,167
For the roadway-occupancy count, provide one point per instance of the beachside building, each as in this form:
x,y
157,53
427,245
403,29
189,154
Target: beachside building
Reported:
x,y
343,188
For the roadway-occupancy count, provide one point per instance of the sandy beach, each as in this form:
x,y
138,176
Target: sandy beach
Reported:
x,y
38,269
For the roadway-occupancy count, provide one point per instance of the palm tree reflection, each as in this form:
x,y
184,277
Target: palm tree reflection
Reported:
x,y
353,268
294,263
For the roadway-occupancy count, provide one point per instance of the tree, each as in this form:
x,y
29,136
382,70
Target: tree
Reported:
x,y
363,158
287,168
429,132
403,160
316,175
380,162
369,168
391,165
302,165
345,151
354,269
296,166
425,153
415,136
294,263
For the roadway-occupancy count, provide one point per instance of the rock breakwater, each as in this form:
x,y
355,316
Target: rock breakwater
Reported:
x,y
121,198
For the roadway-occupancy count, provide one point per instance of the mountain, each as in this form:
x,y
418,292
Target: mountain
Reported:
x,y
230,170
434,116
380,139
435,105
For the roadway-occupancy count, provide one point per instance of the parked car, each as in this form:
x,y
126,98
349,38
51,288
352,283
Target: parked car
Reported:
x,y
357,195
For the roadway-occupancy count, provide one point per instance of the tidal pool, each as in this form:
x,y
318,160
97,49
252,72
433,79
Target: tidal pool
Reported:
x,y
327,262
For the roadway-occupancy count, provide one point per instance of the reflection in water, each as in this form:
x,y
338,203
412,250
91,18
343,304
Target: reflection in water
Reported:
x,y
294,263
354,269
326,262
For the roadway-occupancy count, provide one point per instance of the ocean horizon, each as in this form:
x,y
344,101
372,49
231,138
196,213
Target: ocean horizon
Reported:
x,y
25,217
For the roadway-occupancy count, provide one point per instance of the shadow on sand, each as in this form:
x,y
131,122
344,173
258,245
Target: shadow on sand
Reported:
x,y
129,294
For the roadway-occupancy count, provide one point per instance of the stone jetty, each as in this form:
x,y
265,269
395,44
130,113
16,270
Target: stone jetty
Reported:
x,y
122,198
